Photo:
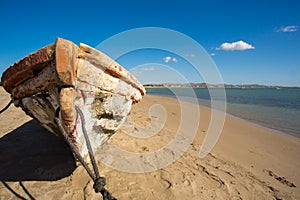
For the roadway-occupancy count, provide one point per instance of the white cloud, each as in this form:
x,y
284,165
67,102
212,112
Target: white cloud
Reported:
x,y
169,58
150,68
212,54
288,29
140,70
240,45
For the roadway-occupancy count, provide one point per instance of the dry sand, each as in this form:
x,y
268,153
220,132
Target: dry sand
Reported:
x,y
248,162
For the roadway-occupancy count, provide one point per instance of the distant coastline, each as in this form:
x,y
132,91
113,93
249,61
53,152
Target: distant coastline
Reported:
x,y
205,85
273,107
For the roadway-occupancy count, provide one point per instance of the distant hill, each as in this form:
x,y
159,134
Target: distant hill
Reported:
x,y
204,85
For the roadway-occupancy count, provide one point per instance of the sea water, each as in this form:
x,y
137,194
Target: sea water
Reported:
x,y
276,108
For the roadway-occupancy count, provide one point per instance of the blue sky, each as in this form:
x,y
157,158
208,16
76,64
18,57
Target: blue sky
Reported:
x,y
268,31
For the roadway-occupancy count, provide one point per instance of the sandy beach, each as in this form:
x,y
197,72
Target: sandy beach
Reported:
x,y
248,161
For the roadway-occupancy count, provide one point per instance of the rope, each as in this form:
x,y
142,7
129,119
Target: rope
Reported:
x,y
99,182
6,107
88,144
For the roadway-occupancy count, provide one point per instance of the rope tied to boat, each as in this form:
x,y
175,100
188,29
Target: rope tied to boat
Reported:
x,y
99,181
6,107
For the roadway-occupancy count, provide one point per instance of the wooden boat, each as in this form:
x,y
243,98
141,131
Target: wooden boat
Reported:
x,y
62,76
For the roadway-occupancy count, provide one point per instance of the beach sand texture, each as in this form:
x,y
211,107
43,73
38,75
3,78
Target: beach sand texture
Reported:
x,y
248,161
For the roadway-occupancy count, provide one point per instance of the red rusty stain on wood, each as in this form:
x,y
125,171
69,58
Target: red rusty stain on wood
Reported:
x,y
66,55
27,68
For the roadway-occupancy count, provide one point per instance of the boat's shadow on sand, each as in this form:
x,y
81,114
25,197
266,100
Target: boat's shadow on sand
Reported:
x,y
31,153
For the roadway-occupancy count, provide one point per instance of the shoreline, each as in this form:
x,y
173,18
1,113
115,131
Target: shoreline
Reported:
x,y
233,87
263,125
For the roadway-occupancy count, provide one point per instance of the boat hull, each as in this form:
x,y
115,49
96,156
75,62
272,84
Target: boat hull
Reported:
x,y
58,77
